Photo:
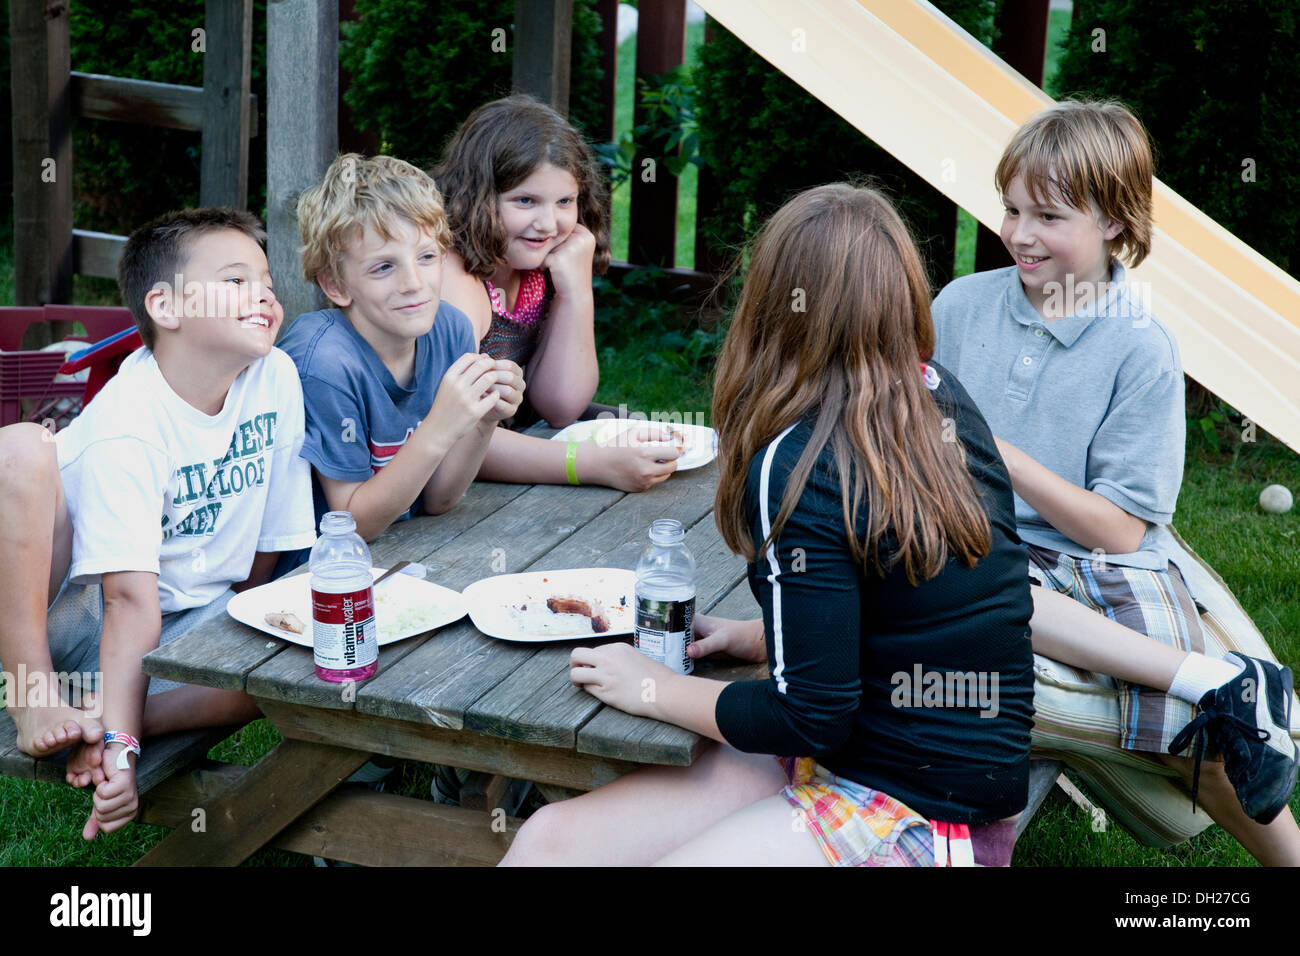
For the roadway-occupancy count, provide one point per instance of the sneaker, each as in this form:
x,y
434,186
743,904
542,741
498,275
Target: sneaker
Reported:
x,y
1249,720
446,784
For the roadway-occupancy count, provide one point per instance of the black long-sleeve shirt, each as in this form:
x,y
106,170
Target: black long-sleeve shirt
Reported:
x,y
868,673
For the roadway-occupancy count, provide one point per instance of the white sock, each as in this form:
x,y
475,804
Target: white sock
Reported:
x,y
1198,675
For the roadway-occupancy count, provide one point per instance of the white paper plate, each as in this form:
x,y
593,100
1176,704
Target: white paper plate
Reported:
x,y
701,441
513,606
404,607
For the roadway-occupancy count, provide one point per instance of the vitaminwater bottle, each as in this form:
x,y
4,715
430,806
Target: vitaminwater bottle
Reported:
x,y
665,597
344,638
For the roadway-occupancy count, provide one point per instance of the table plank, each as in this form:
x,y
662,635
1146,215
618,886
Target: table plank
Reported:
x,y
439,679
191,659
539,704
526,527
400,738
614,733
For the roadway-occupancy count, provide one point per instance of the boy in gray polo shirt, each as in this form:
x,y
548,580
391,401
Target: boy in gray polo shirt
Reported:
x,y
1084,390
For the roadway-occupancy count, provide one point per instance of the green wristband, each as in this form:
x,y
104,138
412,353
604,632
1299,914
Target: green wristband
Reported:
x,y
571,463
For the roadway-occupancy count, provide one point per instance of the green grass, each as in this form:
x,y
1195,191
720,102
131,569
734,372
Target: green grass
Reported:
x,y
687,183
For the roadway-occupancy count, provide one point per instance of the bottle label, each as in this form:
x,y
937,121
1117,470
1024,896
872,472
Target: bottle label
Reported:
x,y
343,629
664,630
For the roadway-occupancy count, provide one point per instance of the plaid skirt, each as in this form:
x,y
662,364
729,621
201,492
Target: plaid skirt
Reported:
x,y
857,826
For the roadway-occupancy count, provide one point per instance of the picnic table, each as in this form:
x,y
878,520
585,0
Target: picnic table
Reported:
x,y
453,696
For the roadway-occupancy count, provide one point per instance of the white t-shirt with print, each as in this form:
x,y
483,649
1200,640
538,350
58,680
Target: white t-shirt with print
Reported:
x,y
154,484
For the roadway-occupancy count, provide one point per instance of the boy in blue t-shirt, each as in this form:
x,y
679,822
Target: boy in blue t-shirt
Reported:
x,y
1084,390
400,407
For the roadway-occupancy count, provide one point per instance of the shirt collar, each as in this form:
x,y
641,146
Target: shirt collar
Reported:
x,y
1067,330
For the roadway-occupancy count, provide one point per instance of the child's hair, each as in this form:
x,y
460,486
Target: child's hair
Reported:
x,y
497,148
833,318
157,251
1084,151
357,192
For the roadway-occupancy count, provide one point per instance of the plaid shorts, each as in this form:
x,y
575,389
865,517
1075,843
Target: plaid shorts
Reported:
x,y
1154,603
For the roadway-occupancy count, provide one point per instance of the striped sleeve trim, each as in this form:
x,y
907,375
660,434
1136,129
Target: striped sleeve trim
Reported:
x,y
774,566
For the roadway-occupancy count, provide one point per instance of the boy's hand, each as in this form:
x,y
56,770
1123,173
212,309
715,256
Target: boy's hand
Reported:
x,y
509,390
569,261
116,800
465,396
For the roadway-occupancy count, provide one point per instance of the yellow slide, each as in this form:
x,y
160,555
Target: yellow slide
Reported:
x,y
944,105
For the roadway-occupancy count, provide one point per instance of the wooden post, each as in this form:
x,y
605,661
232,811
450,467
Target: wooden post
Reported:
x,y
1022,44
660,46
227,65
42,154
301,131
608,11
543,39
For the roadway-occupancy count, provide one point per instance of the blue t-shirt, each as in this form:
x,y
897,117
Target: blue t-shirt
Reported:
x,y
358,417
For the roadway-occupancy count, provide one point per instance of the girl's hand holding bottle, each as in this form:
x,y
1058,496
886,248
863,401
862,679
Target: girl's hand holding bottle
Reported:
x,y
742,640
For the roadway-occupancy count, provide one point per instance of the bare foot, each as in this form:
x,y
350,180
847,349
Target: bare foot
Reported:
x,y
85,763
47,730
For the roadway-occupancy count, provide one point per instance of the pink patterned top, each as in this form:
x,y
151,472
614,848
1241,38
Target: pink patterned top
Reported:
x,y
513,335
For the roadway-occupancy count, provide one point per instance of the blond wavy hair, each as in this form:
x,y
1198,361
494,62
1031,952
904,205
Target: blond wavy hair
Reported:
x,y
357,192
1085,151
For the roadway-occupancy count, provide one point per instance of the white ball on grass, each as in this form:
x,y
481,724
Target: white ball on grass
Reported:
x,y
1276,499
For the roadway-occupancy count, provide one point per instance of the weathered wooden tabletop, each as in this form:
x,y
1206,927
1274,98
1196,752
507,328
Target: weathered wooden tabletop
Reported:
x,y
455,696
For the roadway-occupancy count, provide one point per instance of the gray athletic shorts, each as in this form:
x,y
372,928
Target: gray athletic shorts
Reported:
x,y
75,621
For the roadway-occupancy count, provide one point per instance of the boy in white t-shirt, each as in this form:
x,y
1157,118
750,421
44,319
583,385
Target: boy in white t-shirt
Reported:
x,y
181,480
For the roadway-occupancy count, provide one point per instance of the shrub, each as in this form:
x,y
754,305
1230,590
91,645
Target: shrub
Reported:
x,y
125,173
418,69
1215,83
766,139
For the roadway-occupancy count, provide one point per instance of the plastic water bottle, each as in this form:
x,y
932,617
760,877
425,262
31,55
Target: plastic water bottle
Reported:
x,y
344,638
665,597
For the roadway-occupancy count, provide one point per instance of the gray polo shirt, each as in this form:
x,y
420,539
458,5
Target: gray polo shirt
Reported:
x,y
1097,396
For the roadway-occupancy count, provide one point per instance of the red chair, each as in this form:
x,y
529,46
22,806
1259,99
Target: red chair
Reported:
x,y
28,376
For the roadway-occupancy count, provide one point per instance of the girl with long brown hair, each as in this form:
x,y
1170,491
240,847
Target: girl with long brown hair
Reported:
x,y
867,494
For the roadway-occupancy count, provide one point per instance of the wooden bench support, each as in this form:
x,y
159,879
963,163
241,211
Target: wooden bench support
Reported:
x,y
1042,778
353,824
241,819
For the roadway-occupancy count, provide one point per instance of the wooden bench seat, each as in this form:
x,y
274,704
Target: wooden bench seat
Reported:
x,y
160,758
